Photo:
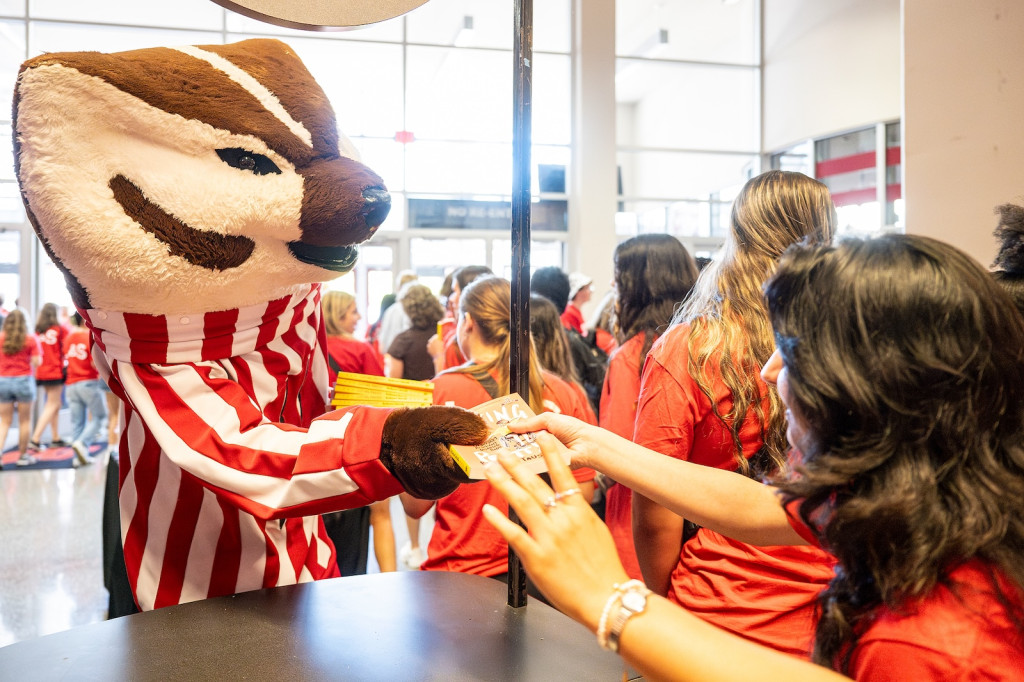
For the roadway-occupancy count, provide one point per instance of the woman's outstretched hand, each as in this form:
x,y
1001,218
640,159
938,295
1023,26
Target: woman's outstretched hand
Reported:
x,y
582,439
568,553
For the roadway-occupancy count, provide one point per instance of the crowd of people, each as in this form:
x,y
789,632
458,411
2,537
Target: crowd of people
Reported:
x,y
802,458
51,363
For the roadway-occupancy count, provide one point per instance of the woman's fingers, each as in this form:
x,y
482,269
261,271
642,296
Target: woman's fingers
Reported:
x,y
527,497
556,455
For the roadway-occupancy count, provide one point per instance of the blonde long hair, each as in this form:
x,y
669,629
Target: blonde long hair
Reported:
x,y
334,305
731,334
488,300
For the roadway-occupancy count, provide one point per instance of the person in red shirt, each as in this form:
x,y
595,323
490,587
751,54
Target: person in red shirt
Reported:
x,y
346,353
444,348
19,354
702,400
899,362
461,540
50,375
551,344
654,273
581,288
84,391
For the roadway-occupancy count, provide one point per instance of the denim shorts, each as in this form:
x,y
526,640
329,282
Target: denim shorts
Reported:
x,y
17,389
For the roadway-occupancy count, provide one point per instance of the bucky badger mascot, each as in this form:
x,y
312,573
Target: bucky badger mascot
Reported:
x,y
193,199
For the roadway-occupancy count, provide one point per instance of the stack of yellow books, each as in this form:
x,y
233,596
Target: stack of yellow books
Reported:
x,y
364,389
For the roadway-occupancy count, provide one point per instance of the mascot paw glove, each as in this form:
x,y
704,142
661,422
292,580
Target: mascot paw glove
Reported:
x,y
414,447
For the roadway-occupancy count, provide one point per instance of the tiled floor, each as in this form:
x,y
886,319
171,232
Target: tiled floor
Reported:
x,y
51,576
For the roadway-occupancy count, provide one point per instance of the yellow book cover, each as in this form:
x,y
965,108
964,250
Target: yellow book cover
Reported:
x,y
498,413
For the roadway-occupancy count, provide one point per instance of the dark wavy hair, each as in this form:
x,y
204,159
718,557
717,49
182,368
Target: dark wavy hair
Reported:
x,y
653,274
904,359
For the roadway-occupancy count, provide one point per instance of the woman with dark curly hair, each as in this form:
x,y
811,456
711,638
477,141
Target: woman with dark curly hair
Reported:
x,y
407,356
654,273
900,363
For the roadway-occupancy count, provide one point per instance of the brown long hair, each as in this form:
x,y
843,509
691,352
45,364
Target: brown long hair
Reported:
x,y
654,273
47,318
15,332
731,336
904,359
488,300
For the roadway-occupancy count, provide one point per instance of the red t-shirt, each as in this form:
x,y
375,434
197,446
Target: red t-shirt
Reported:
x,y
958,631
765,594
51,363
462,540
351,355
605,341
78,350
618,414
572,318
19,364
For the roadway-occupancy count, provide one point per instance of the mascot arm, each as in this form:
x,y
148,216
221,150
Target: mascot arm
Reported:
x,y
205,423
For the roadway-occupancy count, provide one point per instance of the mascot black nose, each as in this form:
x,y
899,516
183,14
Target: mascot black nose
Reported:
x,y
377,204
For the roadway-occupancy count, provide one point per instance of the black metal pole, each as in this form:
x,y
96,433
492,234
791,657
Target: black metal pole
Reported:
x,y
519,324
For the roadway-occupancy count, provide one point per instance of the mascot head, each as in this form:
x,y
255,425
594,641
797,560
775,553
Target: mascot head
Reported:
x,y
191,179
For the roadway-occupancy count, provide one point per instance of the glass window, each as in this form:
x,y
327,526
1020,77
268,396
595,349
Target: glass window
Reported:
x,y
56,37
456,94
680,175
698,31
431,257
12,209
461,23
685,106
551,122
10,258
366,101
12,8
12,54
468,168
542,254
201,14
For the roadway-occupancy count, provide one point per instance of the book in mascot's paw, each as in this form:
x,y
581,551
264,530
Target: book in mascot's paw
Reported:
x,y
498,413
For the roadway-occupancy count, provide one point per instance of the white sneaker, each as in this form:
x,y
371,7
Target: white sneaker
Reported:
x,y
413,558
81,454
26,460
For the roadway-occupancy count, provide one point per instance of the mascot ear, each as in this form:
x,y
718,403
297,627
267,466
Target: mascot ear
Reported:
x,y
414,447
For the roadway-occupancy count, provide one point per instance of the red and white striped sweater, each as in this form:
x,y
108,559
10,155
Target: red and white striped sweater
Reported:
x,y
227,454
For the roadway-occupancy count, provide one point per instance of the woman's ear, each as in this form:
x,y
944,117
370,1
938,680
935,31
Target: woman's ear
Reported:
x,y
468,322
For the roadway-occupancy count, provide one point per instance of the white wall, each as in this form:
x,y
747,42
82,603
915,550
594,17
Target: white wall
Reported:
x,y
964,107
829,66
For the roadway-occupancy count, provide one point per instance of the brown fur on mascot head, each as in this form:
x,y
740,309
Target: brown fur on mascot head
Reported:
x,y
194,198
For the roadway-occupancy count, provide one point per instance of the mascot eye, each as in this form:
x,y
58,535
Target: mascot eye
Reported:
x,y
243,159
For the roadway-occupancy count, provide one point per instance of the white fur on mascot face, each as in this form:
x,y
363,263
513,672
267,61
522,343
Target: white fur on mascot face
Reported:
x,y
195,179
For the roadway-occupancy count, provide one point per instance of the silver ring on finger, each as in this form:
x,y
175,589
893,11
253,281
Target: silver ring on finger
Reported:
x,y
564,494
550,503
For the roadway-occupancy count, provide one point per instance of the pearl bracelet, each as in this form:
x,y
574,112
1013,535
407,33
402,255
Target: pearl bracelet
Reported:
x,y
614,600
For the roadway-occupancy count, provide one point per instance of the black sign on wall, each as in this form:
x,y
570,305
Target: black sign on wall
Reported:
x,y
467,214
